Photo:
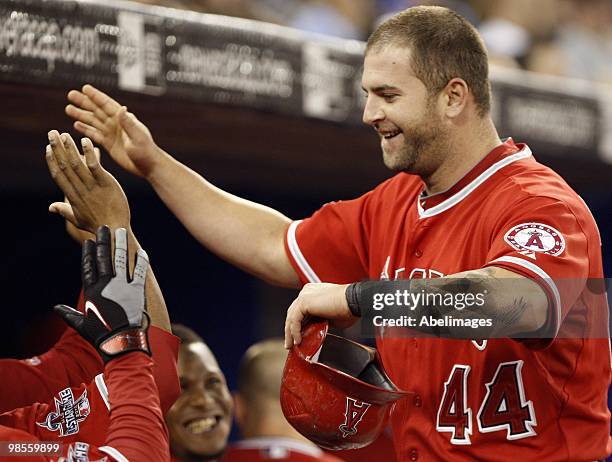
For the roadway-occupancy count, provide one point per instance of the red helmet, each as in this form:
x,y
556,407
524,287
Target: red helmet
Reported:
x,y
334,391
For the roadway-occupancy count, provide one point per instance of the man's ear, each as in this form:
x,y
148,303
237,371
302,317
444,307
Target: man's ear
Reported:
x,y
456,95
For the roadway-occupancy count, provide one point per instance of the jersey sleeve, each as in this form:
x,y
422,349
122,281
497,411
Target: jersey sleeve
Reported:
x,y
543,240
137,431
70,362
73,361
165,347
332,244
80,417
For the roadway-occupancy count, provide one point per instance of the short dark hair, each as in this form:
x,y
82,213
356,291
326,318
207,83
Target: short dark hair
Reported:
x,y
186,334
443,45
261,370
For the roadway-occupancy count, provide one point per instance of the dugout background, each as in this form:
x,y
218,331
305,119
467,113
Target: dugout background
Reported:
x,y
291,159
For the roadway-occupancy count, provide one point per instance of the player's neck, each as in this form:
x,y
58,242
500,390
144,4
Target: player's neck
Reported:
x,y
464,152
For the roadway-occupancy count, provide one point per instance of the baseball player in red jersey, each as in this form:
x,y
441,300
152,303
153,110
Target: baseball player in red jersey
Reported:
x,y
73,362
463,203
79,417
495,399
115,323
490,215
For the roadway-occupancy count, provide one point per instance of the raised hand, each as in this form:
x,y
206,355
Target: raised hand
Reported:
x,y
106,122
114,321
77,234
94,197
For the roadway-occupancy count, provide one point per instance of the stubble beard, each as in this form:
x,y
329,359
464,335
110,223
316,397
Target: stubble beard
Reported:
x,y
423,146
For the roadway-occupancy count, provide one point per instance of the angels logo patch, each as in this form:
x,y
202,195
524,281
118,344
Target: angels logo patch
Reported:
x,y
68,413
532,238
355,410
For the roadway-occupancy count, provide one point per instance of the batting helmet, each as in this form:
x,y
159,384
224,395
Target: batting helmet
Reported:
x,y
334,391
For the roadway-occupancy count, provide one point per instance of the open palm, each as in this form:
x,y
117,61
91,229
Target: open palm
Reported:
x,y
106,122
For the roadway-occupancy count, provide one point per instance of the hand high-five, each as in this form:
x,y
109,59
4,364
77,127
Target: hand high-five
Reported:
x,y
95,198
107,123
114,321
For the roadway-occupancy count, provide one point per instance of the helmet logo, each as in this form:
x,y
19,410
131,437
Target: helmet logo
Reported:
x,y
355,410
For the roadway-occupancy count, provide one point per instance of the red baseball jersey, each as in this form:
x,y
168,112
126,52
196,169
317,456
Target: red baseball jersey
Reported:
x,y
70,362
498,399
380,449
276,449
73,361
80,418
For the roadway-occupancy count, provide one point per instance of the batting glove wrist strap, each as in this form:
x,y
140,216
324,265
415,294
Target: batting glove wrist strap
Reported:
x,y
125,341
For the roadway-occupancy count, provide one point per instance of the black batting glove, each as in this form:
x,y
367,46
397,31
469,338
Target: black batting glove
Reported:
x,y
115,321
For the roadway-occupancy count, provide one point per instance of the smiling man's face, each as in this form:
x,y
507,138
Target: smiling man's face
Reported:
x,y
400,108
199,422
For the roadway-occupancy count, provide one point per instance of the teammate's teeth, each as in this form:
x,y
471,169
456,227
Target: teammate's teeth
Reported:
x,y
201,425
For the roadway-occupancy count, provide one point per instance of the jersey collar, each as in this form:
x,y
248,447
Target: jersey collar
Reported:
x,y
501,156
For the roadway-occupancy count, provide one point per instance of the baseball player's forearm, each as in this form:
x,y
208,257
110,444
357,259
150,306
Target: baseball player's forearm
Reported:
x,y
136,429
507,304
156,305
246,234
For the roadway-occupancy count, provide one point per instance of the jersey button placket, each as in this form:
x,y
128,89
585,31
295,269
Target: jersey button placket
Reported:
x,y
417,401
416,238
414,454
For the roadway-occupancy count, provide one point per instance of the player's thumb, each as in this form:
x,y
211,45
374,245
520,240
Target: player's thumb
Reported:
x,y
65,210
128,122
72,317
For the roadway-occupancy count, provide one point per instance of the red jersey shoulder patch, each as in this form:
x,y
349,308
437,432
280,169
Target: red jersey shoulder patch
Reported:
x,y
531,238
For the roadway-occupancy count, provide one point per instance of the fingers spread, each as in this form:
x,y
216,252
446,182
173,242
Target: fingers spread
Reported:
x,y
81,100
89,131
101,100
140,270
86,117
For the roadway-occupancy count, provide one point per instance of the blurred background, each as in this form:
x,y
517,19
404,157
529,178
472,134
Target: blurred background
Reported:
x,y
570,38
289,161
